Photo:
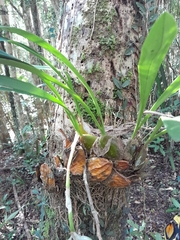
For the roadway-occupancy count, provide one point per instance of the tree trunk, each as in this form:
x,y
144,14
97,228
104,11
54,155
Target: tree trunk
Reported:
x,y
98,38
57,4
4,136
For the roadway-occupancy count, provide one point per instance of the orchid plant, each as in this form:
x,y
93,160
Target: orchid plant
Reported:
x,y
153,52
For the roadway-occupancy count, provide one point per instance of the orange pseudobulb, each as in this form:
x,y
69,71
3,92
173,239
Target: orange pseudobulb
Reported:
x,y
78,163
47,176
121,165
99,168
118,180
57,161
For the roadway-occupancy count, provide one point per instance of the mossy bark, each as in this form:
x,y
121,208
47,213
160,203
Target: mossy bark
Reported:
x,y
94,36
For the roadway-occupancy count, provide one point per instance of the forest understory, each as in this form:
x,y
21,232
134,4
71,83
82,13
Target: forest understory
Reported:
x,y
150,199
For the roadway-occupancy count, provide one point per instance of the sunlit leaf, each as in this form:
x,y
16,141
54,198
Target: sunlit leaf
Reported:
x,y
12,84
172,126
39,41
175,202
153,52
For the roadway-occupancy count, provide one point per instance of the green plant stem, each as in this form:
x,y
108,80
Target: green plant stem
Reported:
x,y
138,125
153,134
159,134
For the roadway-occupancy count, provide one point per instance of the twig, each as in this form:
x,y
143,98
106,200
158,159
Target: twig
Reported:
x,y
94,19
11,167
158,113
28,235
93,210
20,14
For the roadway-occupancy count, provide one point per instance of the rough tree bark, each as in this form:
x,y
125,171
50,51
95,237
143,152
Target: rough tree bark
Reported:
x,y
4,136
99,39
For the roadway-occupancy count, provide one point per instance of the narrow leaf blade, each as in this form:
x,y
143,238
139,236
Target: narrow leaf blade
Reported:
x,y
12,84
154,49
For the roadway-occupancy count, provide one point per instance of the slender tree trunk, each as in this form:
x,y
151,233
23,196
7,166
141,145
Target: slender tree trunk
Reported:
x,y
28,11
4,136
16,107
36,23
57,4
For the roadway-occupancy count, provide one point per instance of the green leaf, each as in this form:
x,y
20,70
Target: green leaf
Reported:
x,y
153,18
129,51
126,83
12,84
119,94
48,79
142,227
170,90
175,202
39,41
117,83
141,8
154,49
172,126
133,224
158,236
153,52
12,215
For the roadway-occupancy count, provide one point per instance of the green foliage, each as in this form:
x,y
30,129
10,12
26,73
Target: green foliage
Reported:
x,y
87,118
153,52
172,126
5,203
94,68
120,84
175,206
157,145
163,145
10,84
33,150
147,9
175,199
5,208
137,230
47,216
147,12
108,42
156,236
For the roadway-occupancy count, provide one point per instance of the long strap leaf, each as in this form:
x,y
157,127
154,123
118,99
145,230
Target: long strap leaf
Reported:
x,y
45,77
12,84
153,52
39,41
173,88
